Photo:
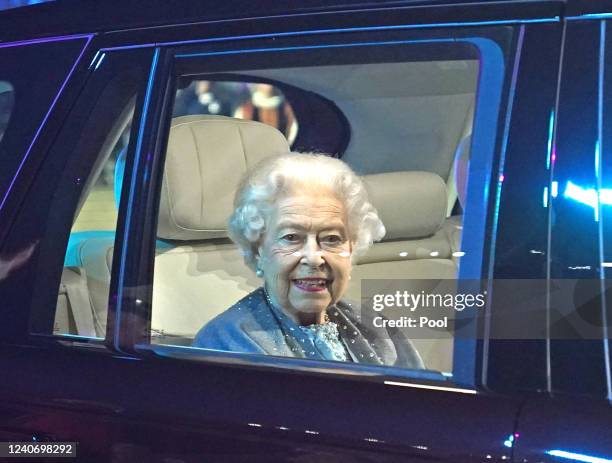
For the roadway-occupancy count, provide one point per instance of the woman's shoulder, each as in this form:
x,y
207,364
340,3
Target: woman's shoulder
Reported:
x,y
350,308
233,323
239,312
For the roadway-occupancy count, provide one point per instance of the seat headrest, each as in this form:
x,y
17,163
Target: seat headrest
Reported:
x,y
206,157
410,204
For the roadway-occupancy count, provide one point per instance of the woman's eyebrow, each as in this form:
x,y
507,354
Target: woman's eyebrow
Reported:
x,y
339,226
283,224
290,224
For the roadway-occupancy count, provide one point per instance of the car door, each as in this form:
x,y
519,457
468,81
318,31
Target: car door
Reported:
x,y
123,396
570,418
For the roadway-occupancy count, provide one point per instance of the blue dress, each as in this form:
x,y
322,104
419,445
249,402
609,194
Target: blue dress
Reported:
x,y
254,325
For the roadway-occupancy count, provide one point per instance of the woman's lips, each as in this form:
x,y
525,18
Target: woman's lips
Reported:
x,y
311,284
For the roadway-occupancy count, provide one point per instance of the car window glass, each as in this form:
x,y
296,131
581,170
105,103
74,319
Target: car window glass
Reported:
x,y
27,98
84,200
85,287
7,98
99,210
405,129
240,99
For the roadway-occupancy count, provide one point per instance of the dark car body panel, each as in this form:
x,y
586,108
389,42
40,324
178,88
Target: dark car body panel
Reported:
x,y
226,413
116,16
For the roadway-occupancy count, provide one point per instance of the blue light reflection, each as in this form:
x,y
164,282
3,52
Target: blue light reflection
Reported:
x,y
578,456
100,61
589,196
551,126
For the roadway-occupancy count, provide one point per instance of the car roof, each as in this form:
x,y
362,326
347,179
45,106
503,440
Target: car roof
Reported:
x,y
65,17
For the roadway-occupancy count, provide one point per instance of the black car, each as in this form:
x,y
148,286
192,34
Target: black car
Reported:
x,y
484,134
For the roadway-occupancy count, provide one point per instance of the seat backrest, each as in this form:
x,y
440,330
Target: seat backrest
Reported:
x,y
457,186
412,206
453,225
198,271
203,273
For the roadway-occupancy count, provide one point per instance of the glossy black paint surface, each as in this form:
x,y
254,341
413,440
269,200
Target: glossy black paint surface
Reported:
x,y
606,172
119,401
577,365
571,424
521,239
76,16
578,8
230,413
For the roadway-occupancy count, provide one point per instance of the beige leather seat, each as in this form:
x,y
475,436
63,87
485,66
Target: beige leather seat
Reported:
x,y
416,247
457,185
204,273
453,225
412,205
199,272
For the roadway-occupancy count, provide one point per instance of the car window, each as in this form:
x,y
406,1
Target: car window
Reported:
x,y
25,100
99,210
7,98
85,287
407,133
411,121
93,145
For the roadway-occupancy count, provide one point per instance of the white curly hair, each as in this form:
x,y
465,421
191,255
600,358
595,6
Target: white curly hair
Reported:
x,y
259,189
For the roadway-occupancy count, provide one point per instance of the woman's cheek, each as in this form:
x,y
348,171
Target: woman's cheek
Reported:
x,y
342,271
285,251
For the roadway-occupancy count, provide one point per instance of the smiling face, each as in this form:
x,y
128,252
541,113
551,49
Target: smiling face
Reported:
x,y
305,253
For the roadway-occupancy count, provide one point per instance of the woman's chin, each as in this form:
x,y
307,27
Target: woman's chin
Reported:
x,y
309,301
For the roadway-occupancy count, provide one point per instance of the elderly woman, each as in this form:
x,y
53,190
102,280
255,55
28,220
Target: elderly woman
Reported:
x,y
299,219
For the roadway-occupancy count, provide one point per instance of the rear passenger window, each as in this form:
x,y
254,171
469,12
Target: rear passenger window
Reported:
x,y
379,149
26,99
89,167
84,289
7,97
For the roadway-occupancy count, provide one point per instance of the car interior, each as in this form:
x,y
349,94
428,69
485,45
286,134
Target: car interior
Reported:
x,y
409,130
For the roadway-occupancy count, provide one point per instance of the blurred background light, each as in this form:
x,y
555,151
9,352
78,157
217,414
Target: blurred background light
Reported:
x,y
7,4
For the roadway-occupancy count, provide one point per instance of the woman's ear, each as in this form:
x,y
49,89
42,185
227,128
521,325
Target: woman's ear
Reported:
x,y
258,266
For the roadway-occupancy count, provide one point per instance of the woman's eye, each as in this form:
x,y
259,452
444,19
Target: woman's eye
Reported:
x,y
290,237
332,239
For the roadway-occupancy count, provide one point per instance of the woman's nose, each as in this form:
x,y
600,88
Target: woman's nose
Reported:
x,y
312,253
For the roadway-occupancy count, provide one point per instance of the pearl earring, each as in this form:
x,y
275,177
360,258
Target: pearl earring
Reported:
x,y
258,272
